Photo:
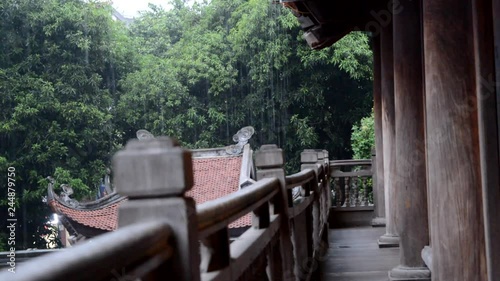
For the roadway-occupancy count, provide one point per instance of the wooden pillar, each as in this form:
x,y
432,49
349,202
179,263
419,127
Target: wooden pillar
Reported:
x,y
484,42
453,154
390,238
378,164
155,174
410,177
496,37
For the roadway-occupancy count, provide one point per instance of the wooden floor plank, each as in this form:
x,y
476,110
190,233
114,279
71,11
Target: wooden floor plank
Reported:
x,y
355,256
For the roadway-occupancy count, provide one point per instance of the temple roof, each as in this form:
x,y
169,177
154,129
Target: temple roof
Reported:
x,y
216,177
85,219
217,172
105,218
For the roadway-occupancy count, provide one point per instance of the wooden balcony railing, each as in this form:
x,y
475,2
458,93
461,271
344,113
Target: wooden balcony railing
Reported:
x,y
219,259
352,183
140,250
163,235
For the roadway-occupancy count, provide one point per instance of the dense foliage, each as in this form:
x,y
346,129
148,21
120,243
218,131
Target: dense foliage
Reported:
x,y
363,138
76,85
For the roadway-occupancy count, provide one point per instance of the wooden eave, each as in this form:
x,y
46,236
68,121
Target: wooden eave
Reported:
x,y
326,22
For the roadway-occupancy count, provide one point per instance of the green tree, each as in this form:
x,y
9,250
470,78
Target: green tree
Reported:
x,y
59,66
244,63
363,138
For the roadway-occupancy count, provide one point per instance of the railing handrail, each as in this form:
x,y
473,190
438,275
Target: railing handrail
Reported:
x,y
218,213
299,178
360,173
350,162
145,245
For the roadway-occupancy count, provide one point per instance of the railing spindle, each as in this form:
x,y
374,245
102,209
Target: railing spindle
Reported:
x,y
347,192
357,187
338,196
215,251
366,202
260,217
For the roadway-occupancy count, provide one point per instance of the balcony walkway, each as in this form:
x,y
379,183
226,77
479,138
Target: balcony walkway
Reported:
x,y
355,256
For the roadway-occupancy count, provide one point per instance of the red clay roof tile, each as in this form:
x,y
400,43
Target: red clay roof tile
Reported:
x,y
105,218
216,177
213,178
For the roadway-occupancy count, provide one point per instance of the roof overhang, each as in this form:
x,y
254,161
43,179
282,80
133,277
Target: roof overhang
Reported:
x,y
326,21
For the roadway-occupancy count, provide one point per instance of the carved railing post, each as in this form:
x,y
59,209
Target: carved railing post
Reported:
x,y
309,159
325,202
325,212
155,174
270,162
318,213
326,159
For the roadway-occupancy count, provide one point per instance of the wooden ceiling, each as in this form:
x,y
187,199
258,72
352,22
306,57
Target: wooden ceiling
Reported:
x,y
325,22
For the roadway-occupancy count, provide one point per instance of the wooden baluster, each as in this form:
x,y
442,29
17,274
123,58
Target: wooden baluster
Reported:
x,y
260,217
347,202
215,251
356,187
338,196
362,191
306,189
365,202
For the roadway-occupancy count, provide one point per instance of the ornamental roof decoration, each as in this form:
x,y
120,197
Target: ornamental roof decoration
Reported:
x,y
241,138
144,135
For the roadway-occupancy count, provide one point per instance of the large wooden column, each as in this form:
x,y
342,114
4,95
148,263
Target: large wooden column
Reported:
x,y
453,158
496,34
390,238
484,42
410,176
378,185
